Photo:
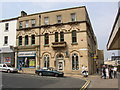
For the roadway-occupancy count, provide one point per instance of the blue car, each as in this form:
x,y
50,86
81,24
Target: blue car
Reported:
x,y
49,72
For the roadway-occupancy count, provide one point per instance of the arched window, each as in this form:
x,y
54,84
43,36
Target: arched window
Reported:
x,y
26,40
46,61
33,39
20,41
75,62
74,36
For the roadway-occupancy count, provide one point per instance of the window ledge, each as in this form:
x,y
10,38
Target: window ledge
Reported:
x,y
47,45
75,43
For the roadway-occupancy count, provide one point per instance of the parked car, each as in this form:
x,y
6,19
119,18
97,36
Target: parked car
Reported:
x,y
49,72
7,68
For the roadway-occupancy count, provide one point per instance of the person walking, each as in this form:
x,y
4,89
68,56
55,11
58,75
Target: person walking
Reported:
x,y
115,72
103,72
107,72
20,67
83,69
110,73
86,71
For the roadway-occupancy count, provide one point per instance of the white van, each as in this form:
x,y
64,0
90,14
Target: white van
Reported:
x,y
7,68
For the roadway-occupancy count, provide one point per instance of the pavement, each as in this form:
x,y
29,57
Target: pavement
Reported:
x,y
96,81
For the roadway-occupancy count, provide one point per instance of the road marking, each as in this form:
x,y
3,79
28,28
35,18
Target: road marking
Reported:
x,y
85,85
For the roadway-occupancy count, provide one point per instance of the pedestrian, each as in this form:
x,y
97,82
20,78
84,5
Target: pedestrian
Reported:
x,y
103,72
83,69
20,67
107,72
115,72
97,70
110,73
86,71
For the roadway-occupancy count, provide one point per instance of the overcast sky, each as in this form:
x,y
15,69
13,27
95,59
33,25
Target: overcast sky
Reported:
x,y
102,15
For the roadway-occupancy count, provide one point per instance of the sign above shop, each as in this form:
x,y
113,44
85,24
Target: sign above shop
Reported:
x,y
26,54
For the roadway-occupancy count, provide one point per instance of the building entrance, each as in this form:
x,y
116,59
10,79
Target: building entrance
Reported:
x,y
60,62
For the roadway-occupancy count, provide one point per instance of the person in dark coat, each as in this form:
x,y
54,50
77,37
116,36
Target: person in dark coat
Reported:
x,y
110,73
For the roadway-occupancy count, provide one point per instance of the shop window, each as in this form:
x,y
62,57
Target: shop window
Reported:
x,y
75,62
20,41
27,62
74,36
56,36
33,39
46,39
73,17
26,40
5,40
46,20
61,36
6,26
59,19
46,61
33,22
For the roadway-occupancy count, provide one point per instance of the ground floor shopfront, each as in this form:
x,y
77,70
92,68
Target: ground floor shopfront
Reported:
x,y
7,55
29,58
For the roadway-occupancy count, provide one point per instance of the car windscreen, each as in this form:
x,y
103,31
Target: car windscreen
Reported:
x,y
9,65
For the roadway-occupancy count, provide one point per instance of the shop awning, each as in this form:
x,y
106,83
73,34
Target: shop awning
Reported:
x,y
6,50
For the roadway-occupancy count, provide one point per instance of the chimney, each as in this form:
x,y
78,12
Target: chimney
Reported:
x,y
23,13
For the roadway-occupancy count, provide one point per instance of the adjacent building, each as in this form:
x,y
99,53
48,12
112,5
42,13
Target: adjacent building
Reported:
x,y
7,40
27,41
114,38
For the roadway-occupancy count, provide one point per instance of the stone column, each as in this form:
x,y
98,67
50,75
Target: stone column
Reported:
x,y
16,55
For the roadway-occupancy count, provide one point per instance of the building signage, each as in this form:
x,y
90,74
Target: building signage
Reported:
x,y
25,54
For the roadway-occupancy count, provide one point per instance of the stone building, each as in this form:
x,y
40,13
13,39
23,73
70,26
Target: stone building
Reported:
x,y
28,41
64,40
67,40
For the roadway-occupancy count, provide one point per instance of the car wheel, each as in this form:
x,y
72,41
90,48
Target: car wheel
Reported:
x,y
40,74
56,75
8,71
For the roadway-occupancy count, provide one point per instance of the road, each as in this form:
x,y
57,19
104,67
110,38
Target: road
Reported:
x,y
13,80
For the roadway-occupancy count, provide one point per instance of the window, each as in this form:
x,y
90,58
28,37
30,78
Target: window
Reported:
x,y
20,41
56,36
6,26
33,39
4,65
59,18
6,40
75,62
26,40
74,38
27,24
73,17
46,20
20,24
46,61
46,39
61,36
33,22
